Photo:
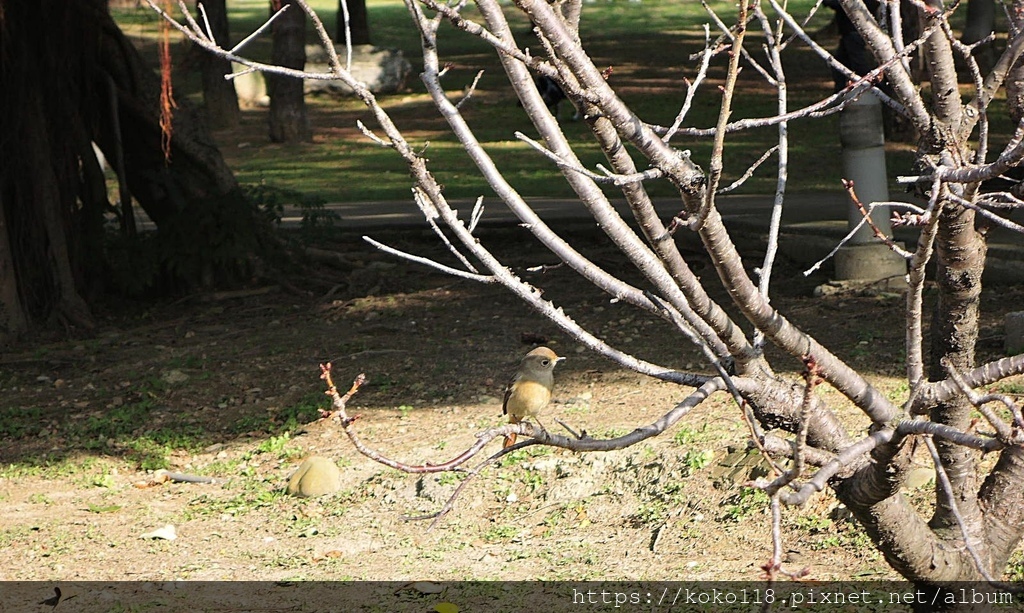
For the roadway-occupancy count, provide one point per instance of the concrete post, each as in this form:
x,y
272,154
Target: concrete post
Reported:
x,y
863,151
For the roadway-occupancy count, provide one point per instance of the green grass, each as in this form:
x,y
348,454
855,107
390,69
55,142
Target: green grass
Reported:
x,y
143,432
647,46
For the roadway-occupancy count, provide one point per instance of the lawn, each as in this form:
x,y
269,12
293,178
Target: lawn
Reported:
x,y
646,44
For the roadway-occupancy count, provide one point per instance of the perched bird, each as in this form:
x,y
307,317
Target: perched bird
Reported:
x,y
529,391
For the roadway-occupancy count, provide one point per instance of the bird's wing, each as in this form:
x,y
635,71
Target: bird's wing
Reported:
x,y
508,393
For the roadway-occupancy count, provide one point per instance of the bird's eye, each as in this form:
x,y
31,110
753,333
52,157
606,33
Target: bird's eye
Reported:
x,y
545,362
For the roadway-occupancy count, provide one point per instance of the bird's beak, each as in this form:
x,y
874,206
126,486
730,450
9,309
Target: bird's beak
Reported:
x,y
559,360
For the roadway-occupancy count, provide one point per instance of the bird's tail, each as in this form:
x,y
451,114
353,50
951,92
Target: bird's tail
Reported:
x,y
510,439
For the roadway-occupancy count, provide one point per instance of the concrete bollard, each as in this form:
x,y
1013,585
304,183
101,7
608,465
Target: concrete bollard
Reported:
x,y
863,144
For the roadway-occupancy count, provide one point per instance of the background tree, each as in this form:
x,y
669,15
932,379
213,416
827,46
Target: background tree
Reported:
x,y
219,95
288,119
68,79
353,15
977,518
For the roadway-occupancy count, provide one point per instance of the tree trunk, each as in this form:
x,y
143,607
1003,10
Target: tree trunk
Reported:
x,y
12,317
218,93
981,21
288,119
358,22
197,170
69,78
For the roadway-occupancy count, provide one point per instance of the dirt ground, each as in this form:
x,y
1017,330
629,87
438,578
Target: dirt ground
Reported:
x,y
227,386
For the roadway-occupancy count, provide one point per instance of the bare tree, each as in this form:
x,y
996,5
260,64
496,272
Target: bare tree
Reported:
x,y
977,519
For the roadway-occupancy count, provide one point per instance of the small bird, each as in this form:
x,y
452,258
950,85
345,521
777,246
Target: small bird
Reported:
x,y
54,600
529,391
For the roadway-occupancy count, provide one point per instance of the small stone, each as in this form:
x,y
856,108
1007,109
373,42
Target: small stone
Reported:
x,y
316,476
174,376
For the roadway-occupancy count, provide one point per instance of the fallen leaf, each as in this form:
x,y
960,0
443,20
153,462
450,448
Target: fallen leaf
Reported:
x,y
446,607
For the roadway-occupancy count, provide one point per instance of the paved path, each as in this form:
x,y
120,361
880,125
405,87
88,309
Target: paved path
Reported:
x,y
818,219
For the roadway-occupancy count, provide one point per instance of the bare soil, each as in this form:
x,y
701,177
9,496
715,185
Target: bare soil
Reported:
x,y
228,387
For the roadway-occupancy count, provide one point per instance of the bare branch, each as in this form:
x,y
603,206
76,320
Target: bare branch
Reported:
x,y
865,215
692,87
1003,430
609,177
749,172
431,263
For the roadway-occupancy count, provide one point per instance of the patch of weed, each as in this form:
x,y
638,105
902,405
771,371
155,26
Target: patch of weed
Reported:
x,y
686,435
500,534
696,460
205,505
39,498
20,422
744,503
279,446
288,418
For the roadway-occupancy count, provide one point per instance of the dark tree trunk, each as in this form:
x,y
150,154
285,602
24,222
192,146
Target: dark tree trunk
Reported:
x,y
358,22
288,119
218,93
196,172
12,317
981,20
69,78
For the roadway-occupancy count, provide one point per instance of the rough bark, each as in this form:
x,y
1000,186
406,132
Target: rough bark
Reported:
x,y
219,95
288,119
1002,500
961,259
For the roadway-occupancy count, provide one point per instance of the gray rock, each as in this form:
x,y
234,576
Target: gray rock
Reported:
x,y
384,71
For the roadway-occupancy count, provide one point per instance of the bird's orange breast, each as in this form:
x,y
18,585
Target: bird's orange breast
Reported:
x,y
527,398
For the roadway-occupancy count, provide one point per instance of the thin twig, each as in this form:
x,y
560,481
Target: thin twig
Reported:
x,y
448,270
